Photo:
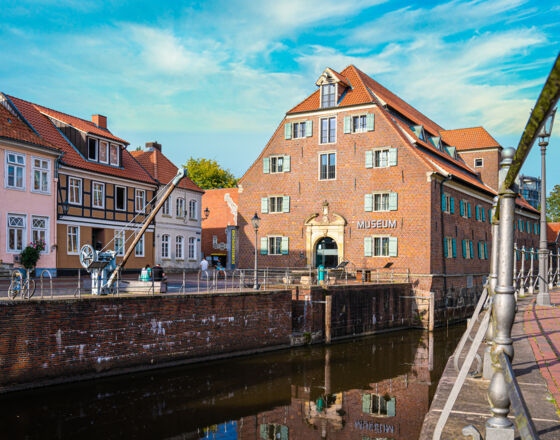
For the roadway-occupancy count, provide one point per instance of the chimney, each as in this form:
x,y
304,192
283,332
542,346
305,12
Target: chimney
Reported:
x,y
100,121
153,145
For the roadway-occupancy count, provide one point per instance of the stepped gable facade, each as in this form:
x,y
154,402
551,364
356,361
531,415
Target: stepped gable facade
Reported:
x,y
354,173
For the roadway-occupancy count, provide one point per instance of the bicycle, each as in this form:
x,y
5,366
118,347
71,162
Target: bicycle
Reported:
x,y
20,287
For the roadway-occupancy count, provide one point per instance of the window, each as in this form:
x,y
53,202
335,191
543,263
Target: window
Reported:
x,y
379,405
298,130
273,431
328,92
381,158
478,163
114,154
119,242
165,207
450,249
274,245
98,194
275,204
120,198
41,175
16,232
72,240
468,249
140,199
381,202
74,190
328,130
192,248
276,164
92,149
40,230
179,240
192,210
139,249
327,166
380,246
15,170
359,124
180,205
165,246
103,152
447,204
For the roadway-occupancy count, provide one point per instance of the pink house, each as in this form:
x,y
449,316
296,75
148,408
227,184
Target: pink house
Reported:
x,y
27,191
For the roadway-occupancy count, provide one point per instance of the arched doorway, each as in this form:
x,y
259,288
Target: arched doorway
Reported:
x,y
326,252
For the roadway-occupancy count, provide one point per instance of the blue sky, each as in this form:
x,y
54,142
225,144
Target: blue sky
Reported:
x,y
214,79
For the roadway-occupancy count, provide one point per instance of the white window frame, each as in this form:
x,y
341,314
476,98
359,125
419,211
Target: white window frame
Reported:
x,y
99,147
193,210
69,233
328,118
120,235
275,158
447,209
140,246
192,248
140,200
278,242
179,247
16,165
164,246
299,129
44,229
481,162
180,203
22,229
381,151
270,211
124,208
380,194
96,158
335,94
379,237
327,153
70,191
449,246
101,185
165,207
116,164
42,171
359,117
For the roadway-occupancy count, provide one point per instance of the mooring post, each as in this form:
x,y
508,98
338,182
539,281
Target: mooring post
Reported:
x,y
328,311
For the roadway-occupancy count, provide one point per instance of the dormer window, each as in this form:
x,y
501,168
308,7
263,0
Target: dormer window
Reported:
x,y
328,94
419,132
92,149
103,152
114,154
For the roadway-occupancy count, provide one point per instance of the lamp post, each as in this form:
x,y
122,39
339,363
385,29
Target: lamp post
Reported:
x,y
543,298
256,222
206,213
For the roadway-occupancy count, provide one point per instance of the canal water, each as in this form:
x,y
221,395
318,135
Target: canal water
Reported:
x,y
368,388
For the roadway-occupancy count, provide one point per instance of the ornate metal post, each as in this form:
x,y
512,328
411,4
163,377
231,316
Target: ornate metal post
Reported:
x,y
487,369
522,284
503,313
515,274
550,272
531,281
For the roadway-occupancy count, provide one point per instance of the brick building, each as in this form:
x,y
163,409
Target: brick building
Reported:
x,y
219,229
354,173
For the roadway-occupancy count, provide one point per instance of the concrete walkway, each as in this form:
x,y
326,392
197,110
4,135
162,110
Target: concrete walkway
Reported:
x,y
538,377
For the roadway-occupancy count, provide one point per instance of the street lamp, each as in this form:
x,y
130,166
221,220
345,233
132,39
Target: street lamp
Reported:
x,y
543,297
206,213
256,222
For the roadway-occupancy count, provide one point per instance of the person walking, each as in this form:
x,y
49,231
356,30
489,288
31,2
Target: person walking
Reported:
x,y
204,267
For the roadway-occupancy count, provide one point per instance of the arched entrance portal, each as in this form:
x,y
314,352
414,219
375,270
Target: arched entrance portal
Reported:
x,y
326,252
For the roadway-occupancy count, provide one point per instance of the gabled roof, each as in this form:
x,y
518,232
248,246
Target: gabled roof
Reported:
x,y
161,168
552,231
35,117
469,138
11,127
337,76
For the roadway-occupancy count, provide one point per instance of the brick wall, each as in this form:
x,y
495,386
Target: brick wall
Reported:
x,y
53,340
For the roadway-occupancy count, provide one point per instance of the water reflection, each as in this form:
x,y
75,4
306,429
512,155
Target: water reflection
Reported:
x,y
379,386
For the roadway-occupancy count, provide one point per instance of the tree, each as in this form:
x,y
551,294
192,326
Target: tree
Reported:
x,y
553,205
208,174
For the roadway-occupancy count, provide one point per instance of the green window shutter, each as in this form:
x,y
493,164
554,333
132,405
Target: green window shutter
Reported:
x,y
264,205
264,245
392,157
368,202
528,227
442,201
445,247
464,248
308,128
461,208
347,122
366,403
393,246
471,249
287,164
285,245
454,247
288,130
368,242
266,165
369,159
452,205
490,215
485,251
286,204
264,431
370,122
469,214
391,407
283,432
393,206
483,214
480,250
476,212
520,225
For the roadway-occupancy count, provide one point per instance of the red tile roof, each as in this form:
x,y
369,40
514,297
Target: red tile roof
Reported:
x,y
161,168
220,212
469,138
552,231
12,127
32,113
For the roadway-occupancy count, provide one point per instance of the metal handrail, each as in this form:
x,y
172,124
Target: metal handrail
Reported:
x,y
50,278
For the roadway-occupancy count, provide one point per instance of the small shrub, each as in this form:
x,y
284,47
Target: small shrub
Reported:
x,y
31,254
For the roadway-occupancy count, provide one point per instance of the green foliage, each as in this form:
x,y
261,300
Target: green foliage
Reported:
x,y
31,254
208,174
553,205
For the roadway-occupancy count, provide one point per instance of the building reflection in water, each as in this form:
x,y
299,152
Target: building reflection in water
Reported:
x,y
368,388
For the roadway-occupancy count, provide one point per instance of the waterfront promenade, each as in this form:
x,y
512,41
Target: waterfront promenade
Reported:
x,y
536,336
